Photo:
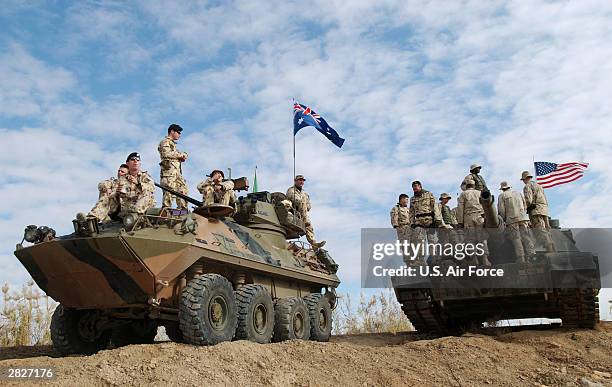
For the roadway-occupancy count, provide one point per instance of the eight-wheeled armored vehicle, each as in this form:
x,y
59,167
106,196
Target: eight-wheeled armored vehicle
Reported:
x,y
206,278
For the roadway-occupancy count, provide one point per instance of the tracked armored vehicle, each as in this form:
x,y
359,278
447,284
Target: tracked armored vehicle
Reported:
x,y
206,278
559,285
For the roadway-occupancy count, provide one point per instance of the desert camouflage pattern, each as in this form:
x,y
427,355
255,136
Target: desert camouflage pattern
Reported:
x,y
107,200
301,202
225,195
534,194
171,172
400,216
423,210
146,268
137,193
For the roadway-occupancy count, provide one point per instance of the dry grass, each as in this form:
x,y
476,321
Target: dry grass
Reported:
x,y
25,316
377,314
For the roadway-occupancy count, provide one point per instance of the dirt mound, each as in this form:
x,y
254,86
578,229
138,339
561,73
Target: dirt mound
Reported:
x,y
515,358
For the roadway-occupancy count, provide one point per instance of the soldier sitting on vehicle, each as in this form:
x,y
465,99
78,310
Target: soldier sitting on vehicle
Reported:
x,y
217,190
108,200
136,189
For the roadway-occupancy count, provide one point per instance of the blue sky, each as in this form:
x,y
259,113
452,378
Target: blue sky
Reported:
x,y
420,90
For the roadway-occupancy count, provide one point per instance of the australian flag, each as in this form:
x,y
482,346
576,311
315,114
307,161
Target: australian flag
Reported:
x,y
305,116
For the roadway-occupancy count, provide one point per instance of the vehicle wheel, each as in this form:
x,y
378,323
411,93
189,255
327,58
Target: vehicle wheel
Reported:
x,y
320,314
255,314
174,333
135,332
291,319
207,311
72,333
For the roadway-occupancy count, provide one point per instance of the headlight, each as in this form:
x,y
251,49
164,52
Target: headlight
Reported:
x,y
128,221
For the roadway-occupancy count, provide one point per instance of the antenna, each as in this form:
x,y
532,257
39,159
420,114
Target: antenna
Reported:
x,y
229,172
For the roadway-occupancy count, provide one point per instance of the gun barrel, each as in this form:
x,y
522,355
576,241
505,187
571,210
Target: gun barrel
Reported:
x,y
490,212
180,195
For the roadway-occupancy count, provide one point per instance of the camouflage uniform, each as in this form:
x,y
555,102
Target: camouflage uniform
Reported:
x,y
424,214
137,196
511,208
471,214
538,216
301,202
447,215
171,173
225,196
447,234
479,182
400,220
107,200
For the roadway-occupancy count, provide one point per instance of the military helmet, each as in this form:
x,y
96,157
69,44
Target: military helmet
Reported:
x,y
504,185
217,170
474,166
444,195
525,175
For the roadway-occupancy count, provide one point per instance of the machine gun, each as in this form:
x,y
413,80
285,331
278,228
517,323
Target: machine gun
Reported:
x,y
191,200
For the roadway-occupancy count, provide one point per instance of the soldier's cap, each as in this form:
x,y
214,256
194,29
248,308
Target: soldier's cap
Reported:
x,y
416,182
504,185
525,175
474,166
175,127
444,196
217,170
299,177
133,156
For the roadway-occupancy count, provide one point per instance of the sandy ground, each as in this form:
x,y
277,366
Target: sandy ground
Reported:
x,y
497,358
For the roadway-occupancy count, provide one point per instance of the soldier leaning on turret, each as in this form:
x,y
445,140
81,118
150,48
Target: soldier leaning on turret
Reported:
x,y
301,202
479,181
470,216
217,190
171,171
511,208
400,218
537,208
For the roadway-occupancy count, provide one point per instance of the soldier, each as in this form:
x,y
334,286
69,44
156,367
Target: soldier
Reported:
x,y
479,181
216,190
447,214
511,208
108,203
537,208
171,171
136,189
423,214
470,216
400,218
301,202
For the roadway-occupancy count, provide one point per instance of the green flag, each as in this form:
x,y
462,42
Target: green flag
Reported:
x,y
255,180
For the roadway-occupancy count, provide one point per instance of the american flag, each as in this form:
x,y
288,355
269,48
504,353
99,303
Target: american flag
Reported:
x,y
551,174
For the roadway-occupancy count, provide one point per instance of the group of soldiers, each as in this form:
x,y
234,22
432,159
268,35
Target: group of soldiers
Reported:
x,y
133,190
415,217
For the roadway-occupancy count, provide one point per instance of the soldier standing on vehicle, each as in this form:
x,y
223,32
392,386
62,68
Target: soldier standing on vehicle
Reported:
x,y
171,169
400,218
537,208
216,189
136,189
445,211
470,216
479,181
108,200
301,202
511,208
424,215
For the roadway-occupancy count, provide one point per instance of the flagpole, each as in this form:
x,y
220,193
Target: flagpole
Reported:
x,y
293,133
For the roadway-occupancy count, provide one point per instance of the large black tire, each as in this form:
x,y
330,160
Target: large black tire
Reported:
x,y
207,310
320,313
136,332
255,314
65,335
292,321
